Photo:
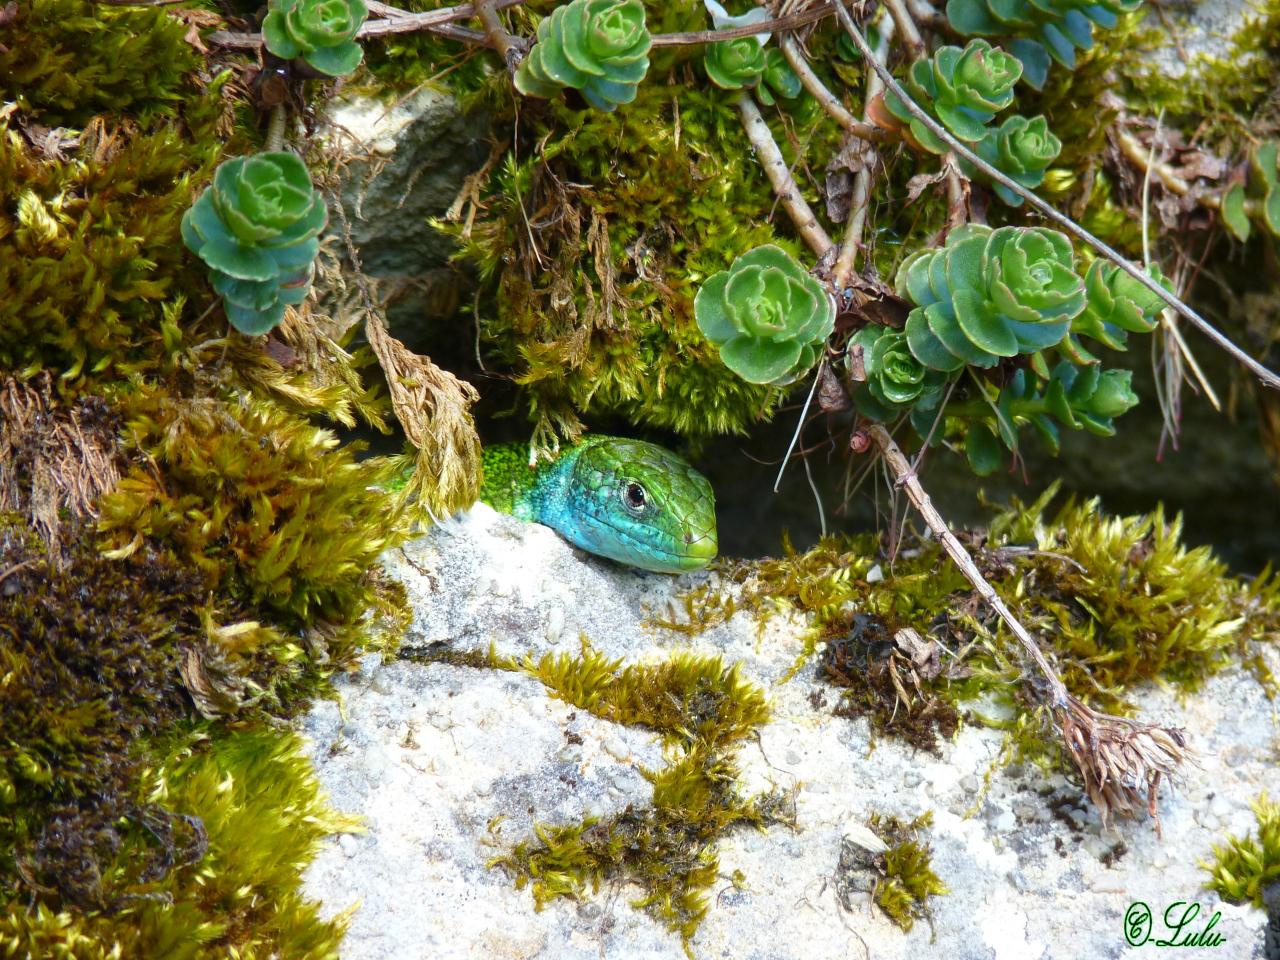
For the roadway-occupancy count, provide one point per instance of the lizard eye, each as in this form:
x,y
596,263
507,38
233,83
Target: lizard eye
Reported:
x,y
634,497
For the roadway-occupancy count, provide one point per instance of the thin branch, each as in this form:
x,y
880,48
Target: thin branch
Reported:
x,y
1122,761
826,99
859,202
497,34
775,168
443,22
955,550
906,27
434,21
275,129
776,25
1205,327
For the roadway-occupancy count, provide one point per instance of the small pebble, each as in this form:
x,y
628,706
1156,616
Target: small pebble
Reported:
x,y
616,748
911,779
793,758
349,844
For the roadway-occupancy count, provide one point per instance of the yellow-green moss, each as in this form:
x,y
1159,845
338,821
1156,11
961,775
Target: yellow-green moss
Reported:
x,y
89,215
273,509
702,709
907,879
1115,601
260,809
1244,867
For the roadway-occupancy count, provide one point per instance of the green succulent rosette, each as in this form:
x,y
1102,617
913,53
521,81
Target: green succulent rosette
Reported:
x,y
964,89
990,294
767,315
256,228
895,379
1117,305
1021,149
736,63
321,32
600,47
1043,29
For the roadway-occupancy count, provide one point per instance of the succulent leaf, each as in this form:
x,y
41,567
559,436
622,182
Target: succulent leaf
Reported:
x,y
767,315
322,32
1021,149
256,228
895,379
600,47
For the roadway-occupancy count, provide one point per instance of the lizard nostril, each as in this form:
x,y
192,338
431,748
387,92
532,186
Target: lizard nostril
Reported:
x,y
688,538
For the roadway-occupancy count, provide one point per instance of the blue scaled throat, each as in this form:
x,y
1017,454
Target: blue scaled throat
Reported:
x,y
631,501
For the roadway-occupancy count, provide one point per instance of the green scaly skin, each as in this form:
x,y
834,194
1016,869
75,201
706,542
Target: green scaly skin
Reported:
x,y
627,500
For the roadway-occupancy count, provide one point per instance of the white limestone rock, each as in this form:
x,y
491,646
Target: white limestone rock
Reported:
x,y
446,764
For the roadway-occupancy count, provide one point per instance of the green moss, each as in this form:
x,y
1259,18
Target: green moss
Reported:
x,y
262,817
1224,101
1244,867
907,879
272,509
703,710
89,228
1115,601
592,289
89,656
64,61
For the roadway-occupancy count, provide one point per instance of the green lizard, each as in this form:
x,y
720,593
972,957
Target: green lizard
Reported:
x,y
627,500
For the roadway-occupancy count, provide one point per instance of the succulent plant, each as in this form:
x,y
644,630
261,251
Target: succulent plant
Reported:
x,y
767,315
256,228
964,89
736,63
1117,305
1042,28
600,47
895,379
1087,398
1022,149
1260,199
779,81
321,32
989,294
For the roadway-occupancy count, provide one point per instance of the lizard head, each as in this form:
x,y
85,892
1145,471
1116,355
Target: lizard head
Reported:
x,y
642,505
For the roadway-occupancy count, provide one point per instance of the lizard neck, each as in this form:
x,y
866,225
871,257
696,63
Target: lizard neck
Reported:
x,y
539,494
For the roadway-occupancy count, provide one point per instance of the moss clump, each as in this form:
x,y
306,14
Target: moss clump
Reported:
x,y
896,688
1115,601
592,289
1244,867
64,61
262,816
1123,601
907,879
89,216
703,710
898,875
89,655
272,509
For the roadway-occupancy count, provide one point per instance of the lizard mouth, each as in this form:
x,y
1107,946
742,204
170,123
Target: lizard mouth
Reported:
x,y
699,550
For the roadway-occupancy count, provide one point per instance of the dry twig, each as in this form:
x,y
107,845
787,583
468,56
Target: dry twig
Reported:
x,y
784,185
1122,761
